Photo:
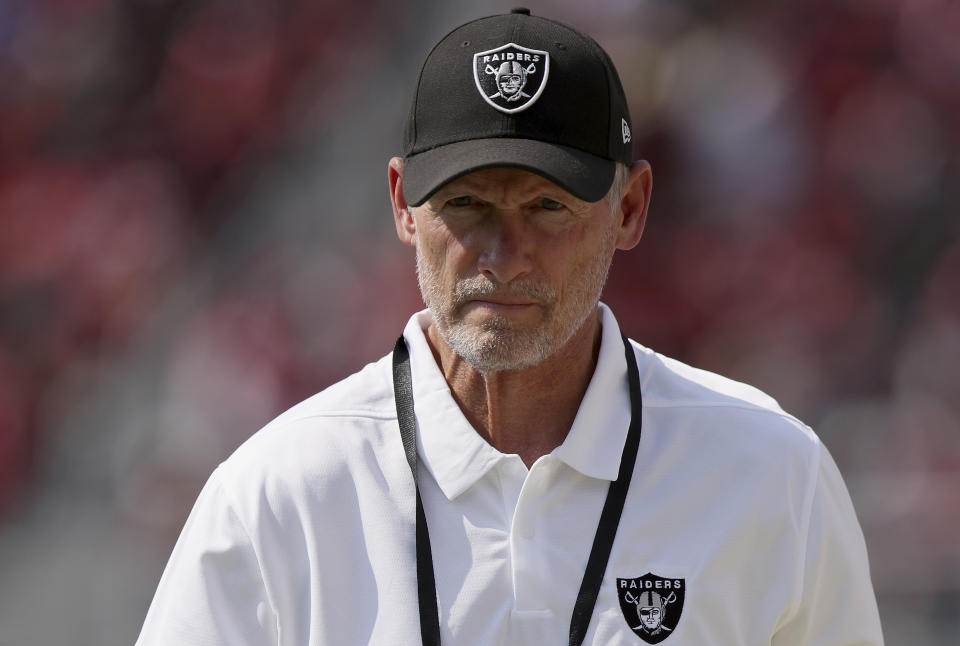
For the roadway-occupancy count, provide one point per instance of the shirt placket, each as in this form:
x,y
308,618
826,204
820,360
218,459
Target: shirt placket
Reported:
x,y
532,620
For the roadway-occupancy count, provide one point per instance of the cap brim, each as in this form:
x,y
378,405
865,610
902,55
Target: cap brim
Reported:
x,y
586,176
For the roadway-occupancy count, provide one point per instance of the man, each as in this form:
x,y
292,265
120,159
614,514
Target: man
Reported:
x,y
516,471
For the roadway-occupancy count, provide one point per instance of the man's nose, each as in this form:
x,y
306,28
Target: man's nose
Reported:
x,y
507,249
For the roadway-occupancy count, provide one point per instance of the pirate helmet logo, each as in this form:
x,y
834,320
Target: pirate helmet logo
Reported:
x,y
511,77
651,605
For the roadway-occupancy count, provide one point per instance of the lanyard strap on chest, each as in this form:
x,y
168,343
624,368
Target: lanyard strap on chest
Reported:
x,y
606,528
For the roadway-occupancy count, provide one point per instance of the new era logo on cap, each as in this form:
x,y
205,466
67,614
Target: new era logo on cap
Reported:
x,y
511,77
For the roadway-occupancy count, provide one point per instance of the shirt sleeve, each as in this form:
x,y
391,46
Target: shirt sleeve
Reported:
x,y
837,605
211,592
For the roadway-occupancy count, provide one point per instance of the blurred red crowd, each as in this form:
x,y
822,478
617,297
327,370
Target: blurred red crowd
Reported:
x,y
803,234
118,124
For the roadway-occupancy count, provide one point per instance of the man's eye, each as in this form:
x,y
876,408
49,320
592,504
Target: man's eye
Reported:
x,y
463,200
550,205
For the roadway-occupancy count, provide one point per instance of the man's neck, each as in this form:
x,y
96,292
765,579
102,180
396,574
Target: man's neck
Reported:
x,y
530,411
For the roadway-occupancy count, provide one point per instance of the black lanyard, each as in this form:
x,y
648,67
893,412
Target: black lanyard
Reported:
x,y
606,528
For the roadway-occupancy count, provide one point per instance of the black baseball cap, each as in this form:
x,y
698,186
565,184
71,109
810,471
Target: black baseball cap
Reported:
x,y
520,91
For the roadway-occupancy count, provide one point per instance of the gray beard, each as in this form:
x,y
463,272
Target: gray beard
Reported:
x,y
494,346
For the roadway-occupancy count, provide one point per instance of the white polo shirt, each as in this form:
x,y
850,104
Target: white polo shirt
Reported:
x,y
305,535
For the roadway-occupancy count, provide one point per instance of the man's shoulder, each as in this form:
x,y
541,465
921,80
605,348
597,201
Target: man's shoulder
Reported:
x,y
367,393
318,432
671,382
674,386
723,426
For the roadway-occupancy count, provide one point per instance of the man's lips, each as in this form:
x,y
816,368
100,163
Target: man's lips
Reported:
x,y
499,303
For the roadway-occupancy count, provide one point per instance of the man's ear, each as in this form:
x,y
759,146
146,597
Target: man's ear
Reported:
x,y
402,213
634,204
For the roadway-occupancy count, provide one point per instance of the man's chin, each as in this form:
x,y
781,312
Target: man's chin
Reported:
x,y
492,348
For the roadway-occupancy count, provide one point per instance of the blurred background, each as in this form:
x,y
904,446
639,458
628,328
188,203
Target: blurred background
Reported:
x,y
195,234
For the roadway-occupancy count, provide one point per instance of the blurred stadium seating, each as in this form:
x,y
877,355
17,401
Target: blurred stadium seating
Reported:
x,y
195,234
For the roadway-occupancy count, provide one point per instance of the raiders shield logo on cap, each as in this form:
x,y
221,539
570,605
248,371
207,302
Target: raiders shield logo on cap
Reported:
x,y
651,605
511,77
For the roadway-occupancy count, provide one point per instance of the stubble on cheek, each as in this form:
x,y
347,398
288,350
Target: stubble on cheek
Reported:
x,y
431,286
491,344
494,342
446,301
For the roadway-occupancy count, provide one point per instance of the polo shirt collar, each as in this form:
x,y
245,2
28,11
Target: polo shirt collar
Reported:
x,y
448,445
595,441
457,457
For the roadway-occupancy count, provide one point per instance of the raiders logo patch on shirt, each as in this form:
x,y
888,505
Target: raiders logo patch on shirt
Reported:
x,y
651,605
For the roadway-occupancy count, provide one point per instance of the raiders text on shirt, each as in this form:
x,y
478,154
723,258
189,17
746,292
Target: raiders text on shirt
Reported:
x,y
660,584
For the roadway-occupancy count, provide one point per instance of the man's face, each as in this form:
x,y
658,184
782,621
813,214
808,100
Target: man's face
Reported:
x,y
651,616
511,265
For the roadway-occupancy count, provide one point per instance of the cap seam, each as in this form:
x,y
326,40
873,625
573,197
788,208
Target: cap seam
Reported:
x,y
506,119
